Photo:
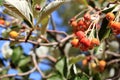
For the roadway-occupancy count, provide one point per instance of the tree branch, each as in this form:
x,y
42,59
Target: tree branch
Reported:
x,y
112,53
113,61
41,44
36,65
19,74
48,57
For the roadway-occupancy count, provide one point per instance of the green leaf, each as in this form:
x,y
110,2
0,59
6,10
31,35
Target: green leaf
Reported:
x,y
84,77
55,77
13,14
42,3
84,2
97,76
109,9
5,34
104,30
44,25
24,61
73,70
49,9
39,2
17,52
65,69
1,2
20,7
76,59
62,66
79,76
100,50
15,28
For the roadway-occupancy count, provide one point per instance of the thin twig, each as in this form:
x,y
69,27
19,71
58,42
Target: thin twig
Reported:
x,y
41,44
48,57
36,65
112,53
42,37
58,32
19,74
29,34
113,61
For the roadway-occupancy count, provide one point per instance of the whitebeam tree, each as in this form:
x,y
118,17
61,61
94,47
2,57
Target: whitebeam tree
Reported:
x,y
89,50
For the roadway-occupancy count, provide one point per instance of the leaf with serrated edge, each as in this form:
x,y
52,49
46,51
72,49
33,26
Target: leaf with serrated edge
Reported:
x,y
20,7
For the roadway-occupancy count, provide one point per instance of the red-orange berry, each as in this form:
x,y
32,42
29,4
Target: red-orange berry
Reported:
x,y
95,42
2,22
116,32
74,23
84,62
75,42
110,16
102,63
83,47
115,25
80,34
85,41
81,24
87,16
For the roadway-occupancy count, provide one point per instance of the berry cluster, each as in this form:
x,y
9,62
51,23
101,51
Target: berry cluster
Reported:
x,y
82,24
84,33
114,25
98,65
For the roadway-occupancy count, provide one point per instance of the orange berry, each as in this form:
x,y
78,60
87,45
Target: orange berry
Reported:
x,y
84,48
80,34
116,32
75,42
110,16
102,63
81,24
84,44
74,23
85,41
95,42
115,25
84,62
93,65
13,34
2,22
